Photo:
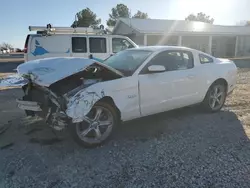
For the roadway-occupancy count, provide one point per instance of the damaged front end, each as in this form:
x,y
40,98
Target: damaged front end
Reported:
x,y
43,102
51,101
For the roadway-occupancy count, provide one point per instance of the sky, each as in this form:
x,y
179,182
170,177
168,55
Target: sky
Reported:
x,y
17,15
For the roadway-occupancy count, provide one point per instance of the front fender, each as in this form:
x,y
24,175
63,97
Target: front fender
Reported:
x,y
123,91
81,103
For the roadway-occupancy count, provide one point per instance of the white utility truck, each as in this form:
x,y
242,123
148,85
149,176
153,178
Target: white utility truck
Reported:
x,y
73,42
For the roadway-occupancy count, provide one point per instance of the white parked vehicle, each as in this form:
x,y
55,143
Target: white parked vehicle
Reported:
x,y
91,98
73,42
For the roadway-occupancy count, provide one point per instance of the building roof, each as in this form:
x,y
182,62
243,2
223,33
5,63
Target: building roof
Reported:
x,y
179,26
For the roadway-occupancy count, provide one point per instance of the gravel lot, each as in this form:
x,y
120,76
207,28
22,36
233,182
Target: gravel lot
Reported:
x,y
182,148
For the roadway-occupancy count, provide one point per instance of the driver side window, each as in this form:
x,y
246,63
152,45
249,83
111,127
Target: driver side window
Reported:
x,y
172,60
119,44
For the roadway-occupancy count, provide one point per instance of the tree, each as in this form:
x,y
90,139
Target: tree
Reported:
x,y
120,11
6,46
140,15
200,17
86,18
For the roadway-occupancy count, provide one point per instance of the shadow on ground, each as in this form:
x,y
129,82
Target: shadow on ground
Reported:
x,y
147,128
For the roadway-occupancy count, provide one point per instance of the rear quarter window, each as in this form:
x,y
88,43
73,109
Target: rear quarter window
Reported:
x,y
205,59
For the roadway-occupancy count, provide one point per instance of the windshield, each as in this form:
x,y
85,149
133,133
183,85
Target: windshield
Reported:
x,y
127,61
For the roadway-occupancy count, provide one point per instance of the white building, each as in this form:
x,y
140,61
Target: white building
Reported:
x,y
220,41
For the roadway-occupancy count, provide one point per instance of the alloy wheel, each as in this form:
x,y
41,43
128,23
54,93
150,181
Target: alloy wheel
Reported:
x,y
217,97
97,126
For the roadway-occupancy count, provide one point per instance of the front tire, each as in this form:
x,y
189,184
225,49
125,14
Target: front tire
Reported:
x,y
215,97
98,127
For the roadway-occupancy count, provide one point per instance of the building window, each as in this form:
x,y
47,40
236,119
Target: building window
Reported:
x,y
97,45
205,59
79,45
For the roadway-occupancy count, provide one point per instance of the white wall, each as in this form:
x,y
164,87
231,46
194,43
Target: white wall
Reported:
x,y
197,42
153,40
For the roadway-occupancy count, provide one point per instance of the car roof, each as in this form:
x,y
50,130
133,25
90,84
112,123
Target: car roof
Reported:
x,y
72,34
159,48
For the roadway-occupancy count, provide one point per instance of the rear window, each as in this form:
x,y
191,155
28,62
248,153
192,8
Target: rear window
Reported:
x,y
79,45
205,59
97,45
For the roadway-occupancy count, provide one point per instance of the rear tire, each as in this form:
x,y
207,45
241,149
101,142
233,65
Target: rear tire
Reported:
x,y
102,120
215,97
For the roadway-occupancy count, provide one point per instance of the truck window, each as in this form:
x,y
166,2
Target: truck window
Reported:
x,y
97,45
79,45
119,44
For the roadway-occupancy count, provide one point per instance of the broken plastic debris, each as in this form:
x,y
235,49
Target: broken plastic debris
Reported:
x,y
12,81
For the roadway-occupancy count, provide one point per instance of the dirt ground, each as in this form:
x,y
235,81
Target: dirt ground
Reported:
x,y
182,148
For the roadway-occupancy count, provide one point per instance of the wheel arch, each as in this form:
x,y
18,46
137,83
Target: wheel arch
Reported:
x,y
107,102
110,100
205,102
219,80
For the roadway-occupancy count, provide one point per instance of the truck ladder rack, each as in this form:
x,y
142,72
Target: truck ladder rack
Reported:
x,y
66,30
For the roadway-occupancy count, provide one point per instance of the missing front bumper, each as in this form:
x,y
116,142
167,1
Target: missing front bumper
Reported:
x,y
28,105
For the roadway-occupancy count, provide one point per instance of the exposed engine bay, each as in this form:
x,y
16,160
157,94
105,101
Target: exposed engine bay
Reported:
x,y
50,103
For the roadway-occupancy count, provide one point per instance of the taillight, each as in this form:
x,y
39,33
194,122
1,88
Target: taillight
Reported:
x,y
25,50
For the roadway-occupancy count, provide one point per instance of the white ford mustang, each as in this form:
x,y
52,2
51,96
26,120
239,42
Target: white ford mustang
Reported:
x,y
91,98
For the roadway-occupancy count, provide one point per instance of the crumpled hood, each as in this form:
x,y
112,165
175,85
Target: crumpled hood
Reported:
x,y
47,71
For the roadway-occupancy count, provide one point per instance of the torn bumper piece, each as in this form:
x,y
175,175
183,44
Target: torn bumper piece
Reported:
x,y
28,105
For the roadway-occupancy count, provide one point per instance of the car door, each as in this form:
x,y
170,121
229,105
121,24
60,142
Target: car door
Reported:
x,y
174,88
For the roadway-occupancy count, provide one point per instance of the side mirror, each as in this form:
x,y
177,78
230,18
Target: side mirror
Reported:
x,y
156,68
